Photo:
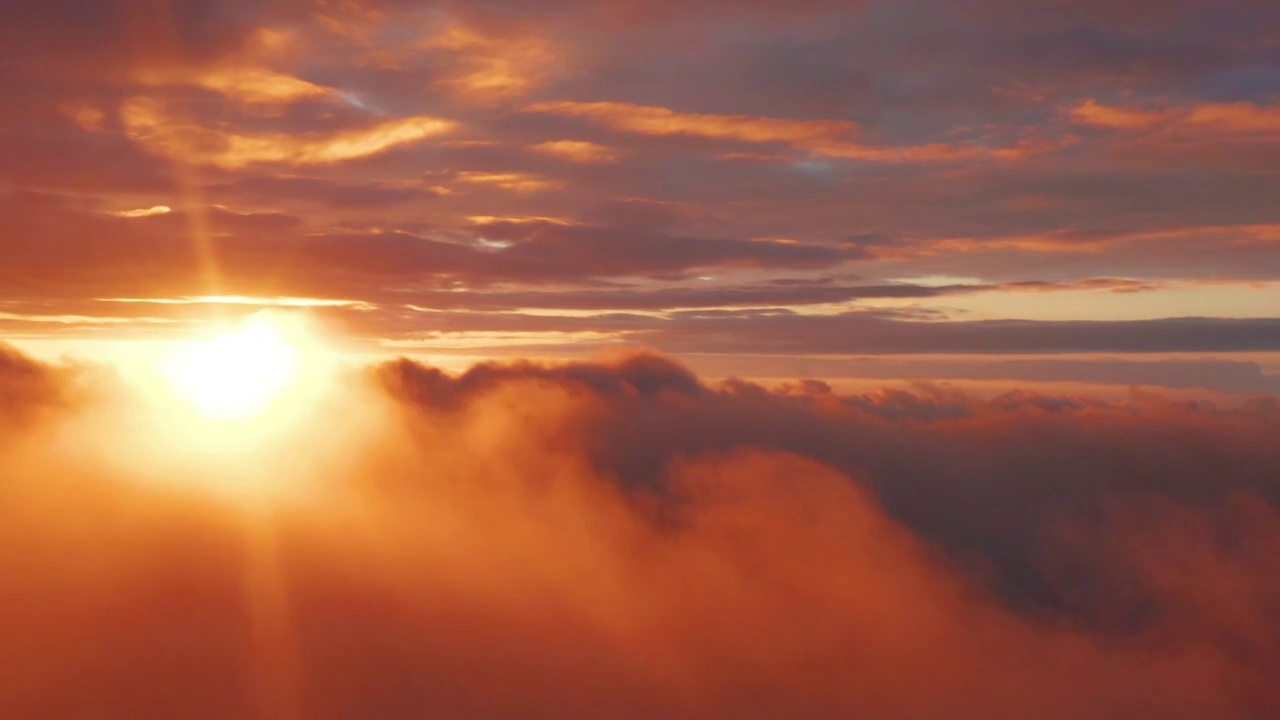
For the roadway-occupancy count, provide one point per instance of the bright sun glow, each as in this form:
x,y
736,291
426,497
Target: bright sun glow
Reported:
x,y
237,374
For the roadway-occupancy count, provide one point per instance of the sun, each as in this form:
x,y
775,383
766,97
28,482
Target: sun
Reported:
x,y
236,374
243,409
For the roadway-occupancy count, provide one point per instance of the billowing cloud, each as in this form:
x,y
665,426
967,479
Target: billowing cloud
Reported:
x,y
621,538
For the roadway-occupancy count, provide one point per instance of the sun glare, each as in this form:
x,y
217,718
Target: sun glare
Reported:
x,y
236,374
243,410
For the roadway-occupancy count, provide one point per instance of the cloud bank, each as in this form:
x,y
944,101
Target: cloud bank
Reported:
x,y
620,538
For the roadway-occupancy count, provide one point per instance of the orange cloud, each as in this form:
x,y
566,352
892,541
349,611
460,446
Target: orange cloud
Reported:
x,y
517,219
89,117
242,83
828,138
652,120
580,151
1236,117
143,212
259,85
485,67
149,124
247,76
1092,112
1240,117
1072,242
618,539
513,181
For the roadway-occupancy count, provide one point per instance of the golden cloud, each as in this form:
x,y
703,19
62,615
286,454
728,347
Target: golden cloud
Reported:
x,y
579,151
477,66
827,138
1239,117
143,212
653,120
496,67
1094,113
517,219
513,181
148,123
258,85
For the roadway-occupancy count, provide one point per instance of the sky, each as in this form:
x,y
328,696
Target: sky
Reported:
x,y
786,183
495,359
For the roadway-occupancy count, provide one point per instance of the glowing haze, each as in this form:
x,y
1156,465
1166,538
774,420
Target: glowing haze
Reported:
x,y
609,359
236,373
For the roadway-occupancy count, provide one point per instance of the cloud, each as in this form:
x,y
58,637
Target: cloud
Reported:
x,y
1242,117
715,147
491,68
798,124
771,294
149,124
143,212
109,38
277,252
785,332
250,85
27,386
581,151
855,332
510,181
827,138
1217,375
620,538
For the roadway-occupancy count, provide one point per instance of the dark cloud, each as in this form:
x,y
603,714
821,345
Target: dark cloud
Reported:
x,y
776,331
976,476
26,386
90,37
857,332
620,298
171,251
712,295
1213,374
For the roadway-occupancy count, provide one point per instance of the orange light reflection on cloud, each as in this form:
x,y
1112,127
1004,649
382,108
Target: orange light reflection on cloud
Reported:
x,y
827,138
580,151
251,300
147,123
243,83
491,68
1241,117
143,212
513,181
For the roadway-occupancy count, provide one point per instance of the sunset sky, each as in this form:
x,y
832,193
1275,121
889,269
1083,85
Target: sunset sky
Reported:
x,y
766,188
640,359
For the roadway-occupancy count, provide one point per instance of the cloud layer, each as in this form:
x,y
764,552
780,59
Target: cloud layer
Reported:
x,y
622,539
